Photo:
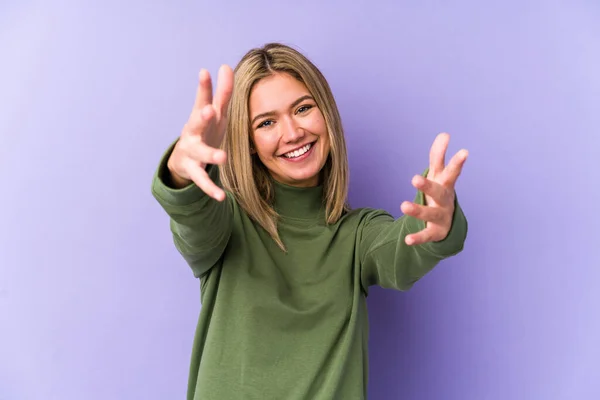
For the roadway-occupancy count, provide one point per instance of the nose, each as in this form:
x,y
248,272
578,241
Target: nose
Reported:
x,y
291,131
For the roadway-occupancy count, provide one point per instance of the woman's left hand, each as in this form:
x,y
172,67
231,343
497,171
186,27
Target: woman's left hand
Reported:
x,y
438,189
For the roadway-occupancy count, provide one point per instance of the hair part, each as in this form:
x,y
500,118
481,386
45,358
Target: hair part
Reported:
x,y
244,175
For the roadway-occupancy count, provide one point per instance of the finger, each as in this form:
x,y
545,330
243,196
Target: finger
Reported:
x,y
431,188
454,168
224,89
200,177
204,90
435,215
437,154
421,237
200,120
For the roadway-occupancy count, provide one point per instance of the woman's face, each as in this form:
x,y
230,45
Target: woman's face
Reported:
x,y
288,130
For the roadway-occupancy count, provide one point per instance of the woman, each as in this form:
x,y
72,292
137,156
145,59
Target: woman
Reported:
x,y
256,189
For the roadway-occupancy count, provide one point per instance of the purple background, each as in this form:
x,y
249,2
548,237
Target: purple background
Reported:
x,y
95,302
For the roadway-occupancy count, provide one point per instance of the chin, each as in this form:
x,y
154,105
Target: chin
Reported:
x,y
302,178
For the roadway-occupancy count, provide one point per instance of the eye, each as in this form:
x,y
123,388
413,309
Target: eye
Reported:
x,y
304,108
267,122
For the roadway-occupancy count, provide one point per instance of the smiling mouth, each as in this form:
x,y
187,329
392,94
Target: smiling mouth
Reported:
x,y
299,152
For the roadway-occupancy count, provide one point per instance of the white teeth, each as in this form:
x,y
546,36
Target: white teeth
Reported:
x,y
299,152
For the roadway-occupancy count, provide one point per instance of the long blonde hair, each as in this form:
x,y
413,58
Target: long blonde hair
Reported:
x,y
244,175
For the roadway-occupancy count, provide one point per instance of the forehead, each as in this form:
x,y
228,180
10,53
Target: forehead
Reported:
x,y
275,92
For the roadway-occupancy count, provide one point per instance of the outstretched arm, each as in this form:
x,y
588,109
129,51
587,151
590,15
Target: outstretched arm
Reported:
x,y
187,183
397,253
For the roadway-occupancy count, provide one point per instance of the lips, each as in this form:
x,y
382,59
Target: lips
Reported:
x,y
298,152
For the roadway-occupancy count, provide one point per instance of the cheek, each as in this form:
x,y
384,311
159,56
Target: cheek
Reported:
x,y
265,145
318,122
320,127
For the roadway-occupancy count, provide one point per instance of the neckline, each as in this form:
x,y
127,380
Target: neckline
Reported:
x,y
298,202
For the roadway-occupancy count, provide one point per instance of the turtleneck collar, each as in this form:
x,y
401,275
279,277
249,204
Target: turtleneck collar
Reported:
x,y
298,202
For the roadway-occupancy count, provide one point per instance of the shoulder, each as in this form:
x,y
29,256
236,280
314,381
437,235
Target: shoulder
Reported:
x,y
365,215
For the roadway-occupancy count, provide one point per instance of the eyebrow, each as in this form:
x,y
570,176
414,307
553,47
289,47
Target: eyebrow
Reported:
x,y
294,104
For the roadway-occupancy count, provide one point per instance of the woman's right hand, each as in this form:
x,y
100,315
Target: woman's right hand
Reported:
x,y
202,135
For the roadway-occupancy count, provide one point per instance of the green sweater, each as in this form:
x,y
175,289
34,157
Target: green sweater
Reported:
x,y
289,326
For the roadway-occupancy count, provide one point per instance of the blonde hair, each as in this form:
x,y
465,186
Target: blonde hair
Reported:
x,y
244,175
